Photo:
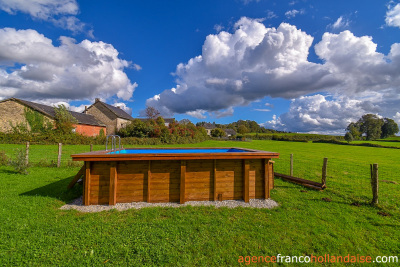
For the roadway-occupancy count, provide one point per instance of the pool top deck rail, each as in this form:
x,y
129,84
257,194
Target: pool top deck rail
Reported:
x,y
104,155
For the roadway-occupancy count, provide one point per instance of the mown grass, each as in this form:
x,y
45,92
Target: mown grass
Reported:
x,y
35,232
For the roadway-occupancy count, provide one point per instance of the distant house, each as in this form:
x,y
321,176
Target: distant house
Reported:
x,y
230,132
167,121
113,117
13,111
209,127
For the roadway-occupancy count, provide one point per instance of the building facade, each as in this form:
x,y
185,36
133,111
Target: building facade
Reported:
x,y
113,117
14,113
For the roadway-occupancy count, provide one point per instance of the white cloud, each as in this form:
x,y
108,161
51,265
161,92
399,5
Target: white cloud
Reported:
x,y
318,113
218,27
137,67
253,62
393,16
223,113
271,14
262,109
340,23
124,107
293,13
199,114
396,118
60,12
269,105
33,68
235,69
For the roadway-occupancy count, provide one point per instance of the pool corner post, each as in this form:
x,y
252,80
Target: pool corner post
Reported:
x,y
86,199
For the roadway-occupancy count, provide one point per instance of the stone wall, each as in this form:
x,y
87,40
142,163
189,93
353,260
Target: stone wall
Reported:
x,y
104,115
13,113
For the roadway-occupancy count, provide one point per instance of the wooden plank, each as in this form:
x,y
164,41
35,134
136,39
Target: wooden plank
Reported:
x,y
298,180
113,184
246,182
215,179
87,184
183,182
78,176
148,181
266,179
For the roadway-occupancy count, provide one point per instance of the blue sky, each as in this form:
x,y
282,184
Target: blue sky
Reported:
x,y
306,66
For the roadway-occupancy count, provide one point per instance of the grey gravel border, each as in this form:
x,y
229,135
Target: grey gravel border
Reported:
x,y
254,203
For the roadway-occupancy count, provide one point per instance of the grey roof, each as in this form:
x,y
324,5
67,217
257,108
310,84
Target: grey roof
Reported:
x,y
49,111
117,111
230,131
167,120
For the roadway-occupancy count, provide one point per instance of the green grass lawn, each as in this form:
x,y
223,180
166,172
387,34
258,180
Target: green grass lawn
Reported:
x,y
35,232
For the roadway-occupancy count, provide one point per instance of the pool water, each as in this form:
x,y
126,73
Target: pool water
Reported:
x,y
176,151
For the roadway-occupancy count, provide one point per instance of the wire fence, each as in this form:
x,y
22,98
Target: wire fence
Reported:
x,y
48,155
350,178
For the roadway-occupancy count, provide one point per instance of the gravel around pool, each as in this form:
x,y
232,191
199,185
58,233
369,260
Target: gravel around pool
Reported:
x,y
254,203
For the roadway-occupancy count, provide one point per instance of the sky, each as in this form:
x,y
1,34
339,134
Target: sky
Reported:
x,y
300,65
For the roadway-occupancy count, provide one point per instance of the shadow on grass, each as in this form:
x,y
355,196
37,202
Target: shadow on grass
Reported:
x,y
8,171
57,190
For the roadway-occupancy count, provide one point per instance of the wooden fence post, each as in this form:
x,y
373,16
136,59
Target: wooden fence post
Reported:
x,y
59,155
324,171
291,164
27,154
374,183
91,147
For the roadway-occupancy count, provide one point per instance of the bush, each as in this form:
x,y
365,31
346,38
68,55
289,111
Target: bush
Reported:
x,y
19,162
3,158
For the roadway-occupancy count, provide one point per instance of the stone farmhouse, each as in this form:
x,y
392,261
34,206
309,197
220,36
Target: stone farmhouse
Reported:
x,y
113,117
99,116
13,110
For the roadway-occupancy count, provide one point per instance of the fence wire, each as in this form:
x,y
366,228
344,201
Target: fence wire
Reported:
x,y
350,178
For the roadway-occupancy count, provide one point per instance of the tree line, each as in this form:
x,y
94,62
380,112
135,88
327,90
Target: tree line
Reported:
x,y
371,127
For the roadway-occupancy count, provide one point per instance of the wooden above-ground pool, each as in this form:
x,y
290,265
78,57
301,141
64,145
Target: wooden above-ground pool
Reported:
x,y
176,175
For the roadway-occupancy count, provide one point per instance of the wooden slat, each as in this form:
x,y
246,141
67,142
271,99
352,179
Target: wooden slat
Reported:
x,y
215,179
148,181
113,184
266,179
87,183
183,182
77,177
246,184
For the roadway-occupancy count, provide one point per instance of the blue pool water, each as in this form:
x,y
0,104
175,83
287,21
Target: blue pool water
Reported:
x,y
176,151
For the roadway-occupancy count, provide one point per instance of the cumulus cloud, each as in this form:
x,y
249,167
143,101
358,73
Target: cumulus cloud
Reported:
x,y
332,114
237,68
31,67
396,118
393,16
124,107
60,12
271,14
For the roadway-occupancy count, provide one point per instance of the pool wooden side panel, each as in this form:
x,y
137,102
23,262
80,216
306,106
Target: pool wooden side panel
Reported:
x,y
114,182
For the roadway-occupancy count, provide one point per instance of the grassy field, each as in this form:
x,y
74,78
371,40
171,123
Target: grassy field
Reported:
x,y
35,232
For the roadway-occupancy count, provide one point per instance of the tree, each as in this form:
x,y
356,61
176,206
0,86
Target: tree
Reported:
x,y
242,129
64,121
371,125
217,132
354,130
151,112
389,128
348,137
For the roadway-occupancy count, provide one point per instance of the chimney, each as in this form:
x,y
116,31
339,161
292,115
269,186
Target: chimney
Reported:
x,y
85,111
96,100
